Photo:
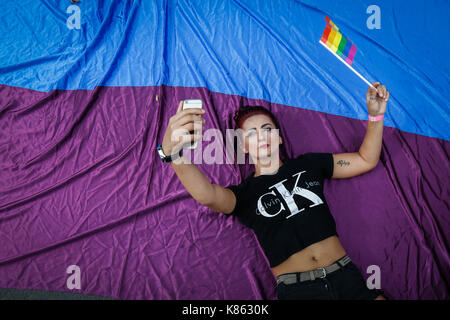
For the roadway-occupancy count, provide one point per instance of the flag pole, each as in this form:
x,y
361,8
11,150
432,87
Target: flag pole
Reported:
x,y
345,63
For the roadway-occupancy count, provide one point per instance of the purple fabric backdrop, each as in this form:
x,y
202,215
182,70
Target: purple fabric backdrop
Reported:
x,y
81,184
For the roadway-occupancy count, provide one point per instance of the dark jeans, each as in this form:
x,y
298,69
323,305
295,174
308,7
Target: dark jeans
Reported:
x,y
347,283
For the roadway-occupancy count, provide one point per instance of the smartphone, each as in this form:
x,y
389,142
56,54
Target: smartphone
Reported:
x,y
188,104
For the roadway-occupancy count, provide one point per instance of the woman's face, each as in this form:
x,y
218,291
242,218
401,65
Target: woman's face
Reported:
x,y
261,137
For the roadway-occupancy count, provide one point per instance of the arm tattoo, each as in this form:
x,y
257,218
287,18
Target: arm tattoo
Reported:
x,y
342,163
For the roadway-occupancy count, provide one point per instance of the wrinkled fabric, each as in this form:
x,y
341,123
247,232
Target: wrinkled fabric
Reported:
x,y
91,191
82,111
257,49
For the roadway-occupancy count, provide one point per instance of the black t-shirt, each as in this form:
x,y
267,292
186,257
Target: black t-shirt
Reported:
x,y
287,210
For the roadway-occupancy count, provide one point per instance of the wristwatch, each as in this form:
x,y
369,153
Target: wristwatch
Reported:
x,y
165,158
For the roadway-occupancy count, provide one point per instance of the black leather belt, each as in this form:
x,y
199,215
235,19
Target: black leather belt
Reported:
x,y
290,278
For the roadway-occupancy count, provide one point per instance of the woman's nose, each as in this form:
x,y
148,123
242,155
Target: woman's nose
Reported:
x,y
262,136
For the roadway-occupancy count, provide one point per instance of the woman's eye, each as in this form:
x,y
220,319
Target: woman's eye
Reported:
x,y
253,132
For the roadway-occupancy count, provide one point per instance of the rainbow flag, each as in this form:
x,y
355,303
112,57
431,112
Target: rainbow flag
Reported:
x,y
335,40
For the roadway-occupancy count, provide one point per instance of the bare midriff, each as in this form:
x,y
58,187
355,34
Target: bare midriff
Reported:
x,y
318,255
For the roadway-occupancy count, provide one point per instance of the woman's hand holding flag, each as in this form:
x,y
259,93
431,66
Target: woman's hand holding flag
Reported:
x,y
377,99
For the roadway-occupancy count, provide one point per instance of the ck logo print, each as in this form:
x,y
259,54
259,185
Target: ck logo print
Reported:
x,y
270,199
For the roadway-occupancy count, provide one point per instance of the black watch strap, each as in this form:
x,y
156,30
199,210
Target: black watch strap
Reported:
x,y
166,158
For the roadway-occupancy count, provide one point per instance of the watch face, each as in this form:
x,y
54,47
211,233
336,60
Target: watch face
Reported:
x,y
167,158
161,153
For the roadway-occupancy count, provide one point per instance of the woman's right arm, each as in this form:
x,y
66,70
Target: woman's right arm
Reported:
x,y
210,195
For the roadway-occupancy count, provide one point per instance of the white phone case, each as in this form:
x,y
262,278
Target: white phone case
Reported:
x,y
189,104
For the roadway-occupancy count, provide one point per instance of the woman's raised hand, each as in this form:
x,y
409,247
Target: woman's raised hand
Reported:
x,y
178,130
377,99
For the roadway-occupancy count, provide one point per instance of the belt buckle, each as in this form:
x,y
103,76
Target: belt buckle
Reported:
x,y
324,273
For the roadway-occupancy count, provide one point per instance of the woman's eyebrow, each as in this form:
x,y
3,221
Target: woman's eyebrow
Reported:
x,y
265,124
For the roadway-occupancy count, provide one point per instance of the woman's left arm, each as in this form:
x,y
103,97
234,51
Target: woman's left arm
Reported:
x,y
347,165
